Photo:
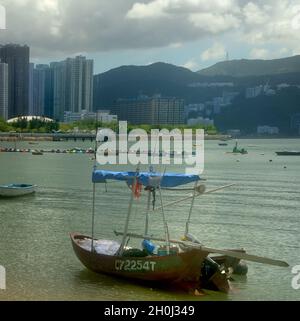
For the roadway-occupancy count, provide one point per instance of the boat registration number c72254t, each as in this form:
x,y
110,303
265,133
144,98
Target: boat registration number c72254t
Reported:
x,y
134,265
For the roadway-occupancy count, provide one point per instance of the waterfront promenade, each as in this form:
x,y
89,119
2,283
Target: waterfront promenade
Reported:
x,y
70,136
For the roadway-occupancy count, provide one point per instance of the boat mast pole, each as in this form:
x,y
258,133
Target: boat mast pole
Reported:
x,y
147,213
190,211
121,249
166,228
93,215
94,186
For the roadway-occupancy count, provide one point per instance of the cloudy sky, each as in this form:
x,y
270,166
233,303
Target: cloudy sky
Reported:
x,y
190,33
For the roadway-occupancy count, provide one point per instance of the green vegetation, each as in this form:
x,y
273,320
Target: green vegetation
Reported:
x,y
4,127
82,125
247,114
89,125
39,126
22,125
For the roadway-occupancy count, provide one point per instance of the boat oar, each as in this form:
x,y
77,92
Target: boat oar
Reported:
x,y
243,256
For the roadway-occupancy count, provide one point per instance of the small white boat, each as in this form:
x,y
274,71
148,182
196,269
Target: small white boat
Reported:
x,y
36,152
12,190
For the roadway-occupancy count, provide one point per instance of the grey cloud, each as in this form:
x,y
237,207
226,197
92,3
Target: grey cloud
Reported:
x,y
65,27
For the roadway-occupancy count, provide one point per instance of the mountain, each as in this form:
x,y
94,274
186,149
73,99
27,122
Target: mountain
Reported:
x,y
158,71
173,81
245,67
158,78
275,110
277,80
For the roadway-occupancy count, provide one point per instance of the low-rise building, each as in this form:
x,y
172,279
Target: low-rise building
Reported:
x,y
70,116
234,132
103,116
269,130
200,121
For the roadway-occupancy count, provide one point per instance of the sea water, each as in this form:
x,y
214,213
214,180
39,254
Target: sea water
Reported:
x,y
260,213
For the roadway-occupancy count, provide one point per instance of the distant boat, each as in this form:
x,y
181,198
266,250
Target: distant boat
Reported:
x,y
237,150
12,190
223,144
288,153
36,152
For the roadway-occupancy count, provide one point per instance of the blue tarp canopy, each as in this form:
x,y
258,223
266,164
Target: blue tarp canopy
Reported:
x,y
145,178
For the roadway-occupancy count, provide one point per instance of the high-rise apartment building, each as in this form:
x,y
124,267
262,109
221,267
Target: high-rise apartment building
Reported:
x,y
59,89
3,90
49,90
39,86
72,86
41,90
30,88
17,59
88,81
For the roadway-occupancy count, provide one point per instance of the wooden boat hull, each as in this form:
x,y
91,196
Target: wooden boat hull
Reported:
x,y
180,269
14,190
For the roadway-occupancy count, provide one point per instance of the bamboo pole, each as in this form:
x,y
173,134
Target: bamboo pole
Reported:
x,y
94,186
191,209
191,196
190,245
166,229
147,213
93,217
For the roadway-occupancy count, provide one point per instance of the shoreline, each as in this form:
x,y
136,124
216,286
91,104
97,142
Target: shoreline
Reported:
x,y
35,137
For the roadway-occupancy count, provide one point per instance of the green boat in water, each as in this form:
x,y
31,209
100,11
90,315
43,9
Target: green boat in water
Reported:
x,y
237,150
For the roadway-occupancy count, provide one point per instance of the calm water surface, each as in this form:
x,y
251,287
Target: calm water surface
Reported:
x,y
260,213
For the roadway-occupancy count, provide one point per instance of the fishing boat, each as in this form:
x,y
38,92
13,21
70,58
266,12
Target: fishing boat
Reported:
x,y
181,269
168,265
237,150
12,190
176,262
288,153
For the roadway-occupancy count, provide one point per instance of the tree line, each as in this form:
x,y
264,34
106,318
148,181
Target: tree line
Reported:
x,y
37,125
34,125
